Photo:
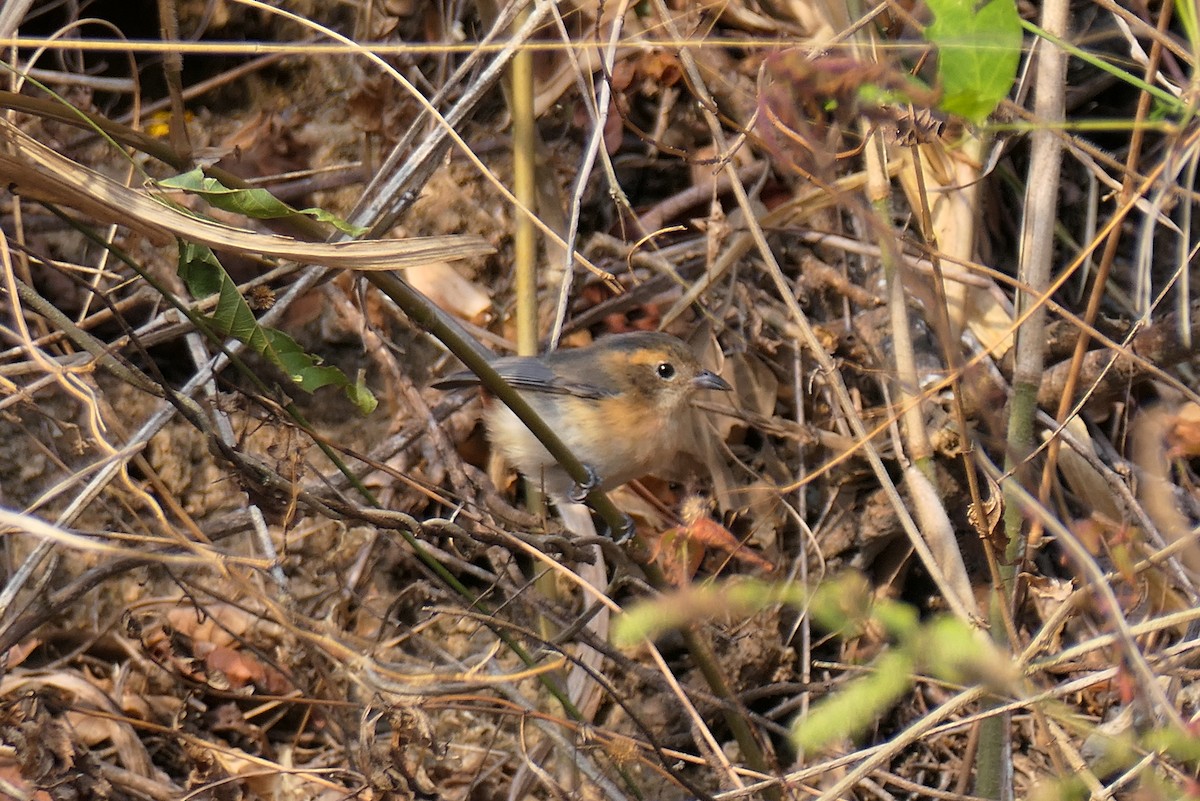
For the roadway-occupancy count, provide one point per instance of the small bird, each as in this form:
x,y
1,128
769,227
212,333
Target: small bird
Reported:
x,y
618,404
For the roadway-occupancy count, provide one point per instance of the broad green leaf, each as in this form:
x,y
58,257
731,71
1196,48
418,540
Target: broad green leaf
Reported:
x,y
258,204
978,53
202,272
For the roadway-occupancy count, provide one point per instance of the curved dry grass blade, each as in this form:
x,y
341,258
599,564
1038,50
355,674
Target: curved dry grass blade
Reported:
x,y
38,170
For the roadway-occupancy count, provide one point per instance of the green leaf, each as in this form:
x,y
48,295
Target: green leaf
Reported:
x,y
743,597
360,396
844,605
202,272
1185,12
1179,744
258,204
978,53
851,709
952,651
321,215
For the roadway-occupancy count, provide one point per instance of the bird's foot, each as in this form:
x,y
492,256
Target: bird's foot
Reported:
x,y
623,534
579,492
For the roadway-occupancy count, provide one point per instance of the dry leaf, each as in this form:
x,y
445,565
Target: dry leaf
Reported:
x,y
680,549
37,169
1087,484
446,287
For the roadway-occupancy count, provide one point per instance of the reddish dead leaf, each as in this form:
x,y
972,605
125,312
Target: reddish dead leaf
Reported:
x,y
239,669
243,669
680,549
714,535
676,555
614,123
614,128
207,648
643,317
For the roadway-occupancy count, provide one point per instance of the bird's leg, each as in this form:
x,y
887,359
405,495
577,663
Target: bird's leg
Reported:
x,y
579,492
624,533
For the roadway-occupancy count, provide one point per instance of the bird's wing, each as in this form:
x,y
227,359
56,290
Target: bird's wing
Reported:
x,y
460,380
527,374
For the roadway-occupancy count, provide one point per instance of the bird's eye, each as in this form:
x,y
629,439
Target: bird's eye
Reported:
x,y
665,370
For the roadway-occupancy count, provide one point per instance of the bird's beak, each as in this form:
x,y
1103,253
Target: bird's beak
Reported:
x,y
708,380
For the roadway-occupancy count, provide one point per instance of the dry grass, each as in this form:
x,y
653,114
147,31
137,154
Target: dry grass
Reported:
x,y
221,585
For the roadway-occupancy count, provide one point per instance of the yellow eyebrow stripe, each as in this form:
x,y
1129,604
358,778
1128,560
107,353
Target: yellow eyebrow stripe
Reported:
x,y
645,356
